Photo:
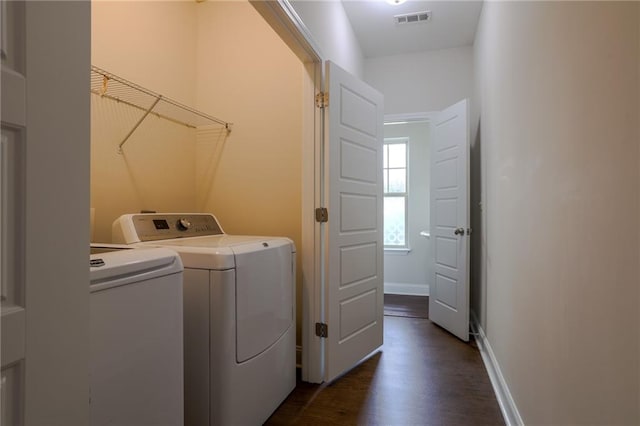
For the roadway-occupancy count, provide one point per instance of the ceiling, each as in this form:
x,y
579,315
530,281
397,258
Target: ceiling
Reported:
x,y
452,24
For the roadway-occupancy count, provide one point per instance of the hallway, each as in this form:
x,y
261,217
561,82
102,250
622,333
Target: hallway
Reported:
x,y
422,376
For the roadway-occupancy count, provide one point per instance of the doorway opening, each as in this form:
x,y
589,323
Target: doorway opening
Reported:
x,y
406,181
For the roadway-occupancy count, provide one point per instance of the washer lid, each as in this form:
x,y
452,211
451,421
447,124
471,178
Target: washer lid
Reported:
x,y
121,267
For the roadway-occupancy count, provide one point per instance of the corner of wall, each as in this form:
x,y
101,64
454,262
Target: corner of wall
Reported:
x,y
328,23
478,183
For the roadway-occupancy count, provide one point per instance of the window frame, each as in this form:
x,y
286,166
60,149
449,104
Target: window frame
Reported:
x,y
385,171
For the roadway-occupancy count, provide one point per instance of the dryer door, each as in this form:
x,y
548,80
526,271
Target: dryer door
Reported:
x,y
264,295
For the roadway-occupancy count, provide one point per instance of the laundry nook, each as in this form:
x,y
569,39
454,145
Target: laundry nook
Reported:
x,y
181,126
239,314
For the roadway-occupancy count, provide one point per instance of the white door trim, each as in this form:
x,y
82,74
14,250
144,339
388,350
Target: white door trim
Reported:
x,y
284,20
281,16
410,116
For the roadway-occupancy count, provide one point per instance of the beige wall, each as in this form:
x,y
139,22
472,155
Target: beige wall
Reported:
x,y
251,180
152,44
559,111
222,58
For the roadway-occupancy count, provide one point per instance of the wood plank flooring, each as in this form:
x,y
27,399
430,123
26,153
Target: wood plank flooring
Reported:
x,y
396,305
422,376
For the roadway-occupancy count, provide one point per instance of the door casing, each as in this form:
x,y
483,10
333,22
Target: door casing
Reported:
x,y
281,16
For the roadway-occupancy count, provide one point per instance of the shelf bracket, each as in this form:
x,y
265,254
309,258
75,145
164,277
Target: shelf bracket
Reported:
x,y
139,123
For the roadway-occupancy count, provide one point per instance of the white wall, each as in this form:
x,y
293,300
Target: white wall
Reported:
x,y
415,83
422,82
332,31
558,83
408,273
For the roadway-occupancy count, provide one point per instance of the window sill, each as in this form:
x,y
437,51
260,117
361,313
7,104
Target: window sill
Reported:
x,y
398,251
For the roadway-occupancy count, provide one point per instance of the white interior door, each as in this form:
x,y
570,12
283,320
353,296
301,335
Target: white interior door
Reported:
x,y
45,223
450,233
353,193
12,140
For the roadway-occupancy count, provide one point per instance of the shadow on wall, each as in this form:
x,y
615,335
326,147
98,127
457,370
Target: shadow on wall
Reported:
x,y
477,284
157,169
210,143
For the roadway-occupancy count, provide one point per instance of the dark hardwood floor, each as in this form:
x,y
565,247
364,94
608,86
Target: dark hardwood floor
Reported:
x,y
422,376
396,305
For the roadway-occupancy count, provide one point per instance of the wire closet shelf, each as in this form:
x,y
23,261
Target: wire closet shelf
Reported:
x,y
110,86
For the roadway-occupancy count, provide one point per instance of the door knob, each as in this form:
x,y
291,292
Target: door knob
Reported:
x,y
459,231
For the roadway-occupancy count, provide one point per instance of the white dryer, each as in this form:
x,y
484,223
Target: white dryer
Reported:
x,y
239,315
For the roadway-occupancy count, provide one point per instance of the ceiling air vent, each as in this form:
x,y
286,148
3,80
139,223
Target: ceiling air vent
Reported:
x,y
413,18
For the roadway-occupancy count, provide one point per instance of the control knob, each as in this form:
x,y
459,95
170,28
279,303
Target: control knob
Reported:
x,y
183,224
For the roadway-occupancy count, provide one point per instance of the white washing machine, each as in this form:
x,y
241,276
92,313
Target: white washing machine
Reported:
x,y
239,315
136,323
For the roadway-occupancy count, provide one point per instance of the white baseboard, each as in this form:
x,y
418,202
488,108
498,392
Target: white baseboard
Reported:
x,y
507,404
407,289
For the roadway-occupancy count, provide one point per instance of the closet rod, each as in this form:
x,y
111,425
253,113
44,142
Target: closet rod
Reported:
x,y
111,86
157,114
135,86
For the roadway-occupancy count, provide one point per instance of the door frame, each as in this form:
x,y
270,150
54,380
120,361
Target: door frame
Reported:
x,y
284,20
413,116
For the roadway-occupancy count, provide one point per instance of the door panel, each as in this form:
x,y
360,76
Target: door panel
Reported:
x,y
351,212
45,221
353,195
447,252
357,313
359,163
358,263
449,296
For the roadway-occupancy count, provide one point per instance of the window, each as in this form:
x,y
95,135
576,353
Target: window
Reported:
x,y
395,190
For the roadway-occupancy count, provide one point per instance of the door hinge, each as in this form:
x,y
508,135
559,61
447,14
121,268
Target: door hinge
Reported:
x,y
322,329
322,214
322,99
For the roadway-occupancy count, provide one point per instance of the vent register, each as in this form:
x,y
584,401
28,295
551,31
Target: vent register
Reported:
x,y
413,18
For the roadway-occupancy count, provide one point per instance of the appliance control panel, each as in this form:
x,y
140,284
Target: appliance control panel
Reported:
x,y
161,226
